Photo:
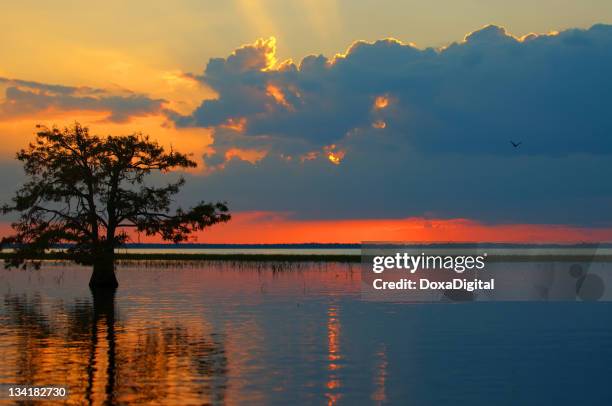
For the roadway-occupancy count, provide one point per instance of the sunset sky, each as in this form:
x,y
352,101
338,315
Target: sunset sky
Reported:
x,y
338,121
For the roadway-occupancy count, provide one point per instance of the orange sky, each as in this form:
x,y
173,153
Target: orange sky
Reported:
x,y
275,228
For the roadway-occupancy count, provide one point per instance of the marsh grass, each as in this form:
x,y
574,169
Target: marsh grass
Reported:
x,y
241,262
275,266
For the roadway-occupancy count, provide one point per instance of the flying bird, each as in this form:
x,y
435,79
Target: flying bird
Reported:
x,y
516,144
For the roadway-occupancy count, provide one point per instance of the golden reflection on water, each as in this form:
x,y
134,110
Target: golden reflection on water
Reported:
x,y
153,347
102,362
333,346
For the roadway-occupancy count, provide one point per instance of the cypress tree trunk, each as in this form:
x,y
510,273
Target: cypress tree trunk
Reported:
x,y
103,275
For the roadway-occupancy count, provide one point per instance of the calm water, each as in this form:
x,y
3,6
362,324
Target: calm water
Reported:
x,y
256,334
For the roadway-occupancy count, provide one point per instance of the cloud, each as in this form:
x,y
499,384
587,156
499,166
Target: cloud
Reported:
x,y
27,98
389,130
552,91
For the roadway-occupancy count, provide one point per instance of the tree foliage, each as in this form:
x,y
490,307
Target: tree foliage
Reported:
x,y
87,191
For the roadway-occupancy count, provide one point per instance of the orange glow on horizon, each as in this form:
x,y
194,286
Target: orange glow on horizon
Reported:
x,y
260,227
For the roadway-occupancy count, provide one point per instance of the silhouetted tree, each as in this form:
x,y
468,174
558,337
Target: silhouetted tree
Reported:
x,y
85,191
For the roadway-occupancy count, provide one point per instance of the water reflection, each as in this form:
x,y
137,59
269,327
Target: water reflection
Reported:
x,y
224,334
101,367
164,338
85,347
25,315
334,357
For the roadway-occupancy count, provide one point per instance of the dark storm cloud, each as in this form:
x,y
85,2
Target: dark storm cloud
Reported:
x,y
552,91
436,143
23,98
